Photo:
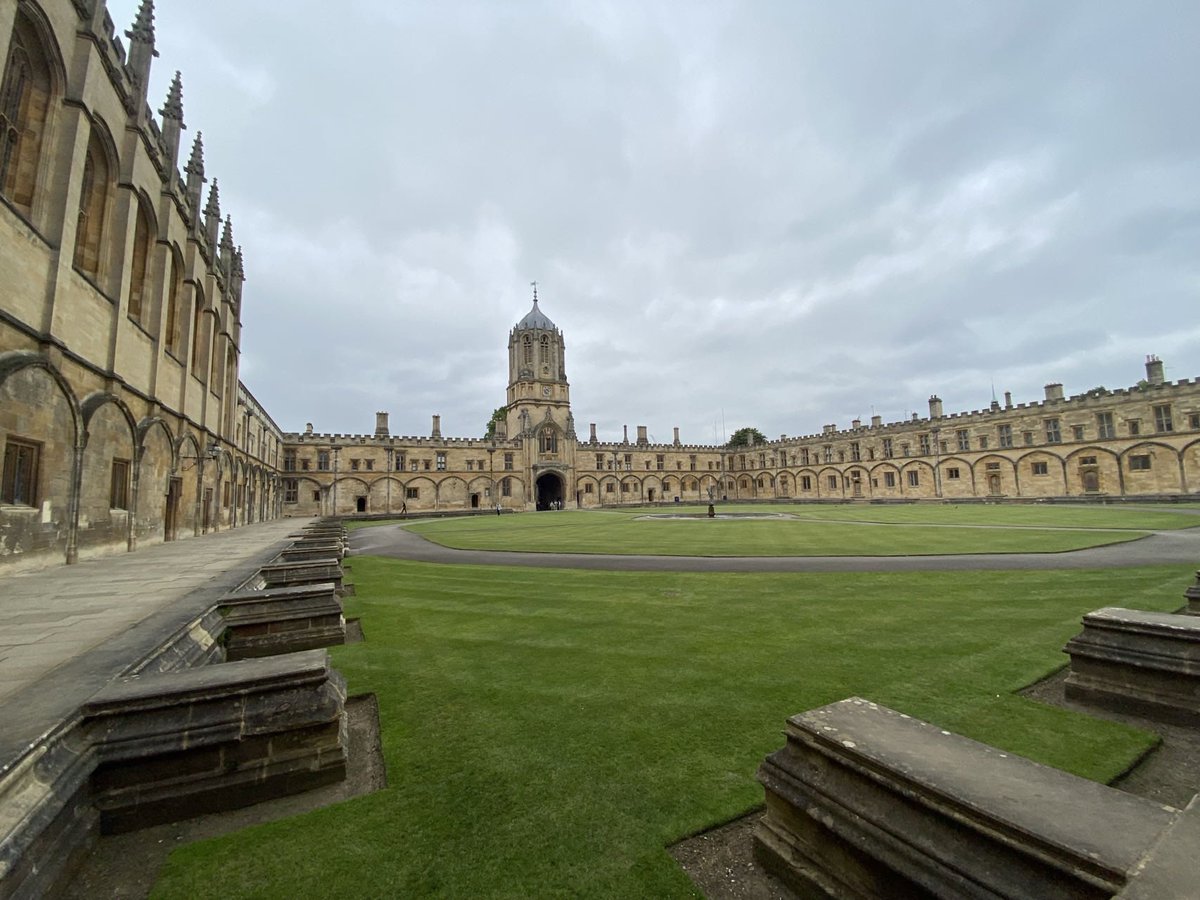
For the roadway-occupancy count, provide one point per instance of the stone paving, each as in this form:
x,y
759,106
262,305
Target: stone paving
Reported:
x,y
51,617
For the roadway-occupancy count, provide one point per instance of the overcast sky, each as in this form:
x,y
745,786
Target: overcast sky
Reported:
x,y
778,214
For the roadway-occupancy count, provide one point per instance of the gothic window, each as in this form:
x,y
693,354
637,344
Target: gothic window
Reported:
x,y
548,440
24,110
174,291
139,281
200,336
19,486
118,492
544,358
528,341
93,207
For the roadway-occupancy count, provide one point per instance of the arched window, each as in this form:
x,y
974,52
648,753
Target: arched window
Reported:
x,y
200,336
24,110
139,277
528,350
548,440
545,356
174,290
93,207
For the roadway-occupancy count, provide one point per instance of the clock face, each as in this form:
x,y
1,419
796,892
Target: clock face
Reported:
x,y
545,392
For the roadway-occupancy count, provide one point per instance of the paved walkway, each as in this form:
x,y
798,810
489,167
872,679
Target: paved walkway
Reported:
x,y
1160,548
57,615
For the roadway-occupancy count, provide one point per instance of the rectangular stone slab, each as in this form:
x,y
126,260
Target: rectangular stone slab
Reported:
x,y
1134,661
173,745
282,620
863,801
283,574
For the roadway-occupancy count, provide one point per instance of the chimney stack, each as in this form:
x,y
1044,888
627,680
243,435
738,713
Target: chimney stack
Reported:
x,y
381,425
935,407
676,436
437,428
1008,399
592,438
642,439
876,421
1154,370
856,424
625,439
1054,391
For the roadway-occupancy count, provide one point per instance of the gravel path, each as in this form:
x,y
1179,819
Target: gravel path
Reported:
x,y
1180,547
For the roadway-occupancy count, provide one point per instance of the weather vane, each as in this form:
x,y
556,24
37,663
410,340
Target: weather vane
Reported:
x,y
534,283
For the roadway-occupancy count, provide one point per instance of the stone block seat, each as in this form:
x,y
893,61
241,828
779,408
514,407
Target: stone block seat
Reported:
x,y
290,574
1142,662
282,620
865,802
308,551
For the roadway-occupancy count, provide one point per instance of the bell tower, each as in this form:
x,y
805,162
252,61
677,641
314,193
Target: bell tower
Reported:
x,y
537,372
539,409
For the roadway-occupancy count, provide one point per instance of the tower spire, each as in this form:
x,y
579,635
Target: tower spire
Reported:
x,y
141,53
172,125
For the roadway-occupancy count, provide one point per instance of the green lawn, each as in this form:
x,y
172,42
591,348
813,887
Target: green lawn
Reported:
x,y
548,732
834,530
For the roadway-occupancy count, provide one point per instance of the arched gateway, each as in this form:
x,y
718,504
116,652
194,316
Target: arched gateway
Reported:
x,y
549,491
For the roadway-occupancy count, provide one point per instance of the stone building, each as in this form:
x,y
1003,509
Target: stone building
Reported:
x,y
1139,441
122,420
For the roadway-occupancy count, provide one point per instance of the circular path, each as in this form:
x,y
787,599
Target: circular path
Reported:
x,y
1157,549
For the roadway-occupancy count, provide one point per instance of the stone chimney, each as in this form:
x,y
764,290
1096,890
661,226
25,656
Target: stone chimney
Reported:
x,y
876,421
625,439
1008,399
381,425
856,424
592,437
501,432
1154,370
935,407
676,440
1054,391
308,427
437,428
642,439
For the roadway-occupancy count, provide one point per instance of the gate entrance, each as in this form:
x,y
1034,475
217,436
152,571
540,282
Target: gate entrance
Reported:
x,y
549,491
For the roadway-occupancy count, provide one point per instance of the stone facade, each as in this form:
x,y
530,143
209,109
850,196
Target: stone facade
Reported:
x,y
122,420
1142,441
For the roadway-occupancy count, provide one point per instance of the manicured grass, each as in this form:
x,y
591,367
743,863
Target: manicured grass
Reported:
x,y
548,732
843,530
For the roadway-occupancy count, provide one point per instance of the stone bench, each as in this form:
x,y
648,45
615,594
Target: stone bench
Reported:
x,y
309,552
863,801
289,574
1134,661
165,746
282,620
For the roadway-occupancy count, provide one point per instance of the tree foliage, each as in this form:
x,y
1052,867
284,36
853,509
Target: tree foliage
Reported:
x,y
499,415
747,437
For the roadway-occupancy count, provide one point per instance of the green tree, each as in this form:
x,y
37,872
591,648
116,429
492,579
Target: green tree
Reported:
x,y
747,437
499,415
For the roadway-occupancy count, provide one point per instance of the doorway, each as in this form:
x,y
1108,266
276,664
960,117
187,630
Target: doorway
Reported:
x,y
171,513
1091,481
994,485
549,491
360,504
474,501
